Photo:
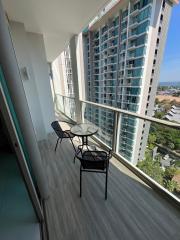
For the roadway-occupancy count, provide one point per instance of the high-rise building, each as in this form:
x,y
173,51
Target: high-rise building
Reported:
x,y
62,69
123,50
63,81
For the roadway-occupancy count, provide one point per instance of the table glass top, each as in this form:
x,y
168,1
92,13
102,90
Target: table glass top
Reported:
x,y
84,129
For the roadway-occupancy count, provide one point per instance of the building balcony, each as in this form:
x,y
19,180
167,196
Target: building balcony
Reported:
x,y
123,214
134,12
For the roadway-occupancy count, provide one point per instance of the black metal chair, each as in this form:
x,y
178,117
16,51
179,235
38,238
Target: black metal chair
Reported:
x,y
94,161
62,134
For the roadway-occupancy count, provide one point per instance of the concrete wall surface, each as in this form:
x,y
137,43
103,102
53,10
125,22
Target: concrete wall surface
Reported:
x,y
30,53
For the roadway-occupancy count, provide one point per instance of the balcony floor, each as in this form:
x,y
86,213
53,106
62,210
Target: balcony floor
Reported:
x,y
132,211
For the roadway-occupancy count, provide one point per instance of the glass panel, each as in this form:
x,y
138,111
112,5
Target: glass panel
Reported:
x,y
154,148
59,104
103,119
161,159
69,106
127,137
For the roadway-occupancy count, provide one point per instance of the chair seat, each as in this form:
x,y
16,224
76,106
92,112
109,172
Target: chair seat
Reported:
x,y
94,160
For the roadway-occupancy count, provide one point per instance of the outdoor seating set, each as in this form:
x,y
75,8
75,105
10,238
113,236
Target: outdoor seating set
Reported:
x,y
91,160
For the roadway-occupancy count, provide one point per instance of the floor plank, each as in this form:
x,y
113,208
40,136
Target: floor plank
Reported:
x,y
132,211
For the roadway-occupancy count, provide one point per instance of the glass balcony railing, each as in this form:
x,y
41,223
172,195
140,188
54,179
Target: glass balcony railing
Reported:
x,y
150,144
65,105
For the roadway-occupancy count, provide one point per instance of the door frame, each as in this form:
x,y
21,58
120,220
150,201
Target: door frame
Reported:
x,y
20,155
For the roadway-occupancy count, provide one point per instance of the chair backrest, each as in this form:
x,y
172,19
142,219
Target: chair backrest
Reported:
x,y
57,128
96,160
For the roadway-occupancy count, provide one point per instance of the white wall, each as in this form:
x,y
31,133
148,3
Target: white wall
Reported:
x,y
40,68
30,53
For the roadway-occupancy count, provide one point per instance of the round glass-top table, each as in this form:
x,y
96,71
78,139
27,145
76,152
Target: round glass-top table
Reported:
x,y
83,130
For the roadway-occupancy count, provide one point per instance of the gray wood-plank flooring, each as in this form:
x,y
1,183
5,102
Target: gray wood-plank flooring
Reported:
x,y
132,211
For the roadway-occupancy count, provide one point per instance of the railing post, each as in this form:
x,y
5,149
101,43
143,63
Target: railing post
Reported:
x,y
115,129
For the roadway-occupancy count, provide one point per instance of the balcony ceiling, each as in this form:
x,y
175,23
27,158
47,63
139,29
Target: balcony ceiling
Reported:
x,y
57,20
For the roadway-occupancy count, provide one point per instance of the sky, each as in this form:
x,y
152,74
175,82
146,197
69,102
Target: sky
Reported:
x,y
170,68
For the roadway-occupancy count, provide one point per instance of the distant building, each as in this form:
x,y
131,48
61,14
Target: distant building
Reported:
x,y
165,161
62,70
173,114
123,49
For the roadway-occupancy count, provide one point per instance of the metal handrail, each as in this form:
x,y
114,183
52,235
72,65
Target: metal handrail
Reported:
x,y
137,115
143,176
65,96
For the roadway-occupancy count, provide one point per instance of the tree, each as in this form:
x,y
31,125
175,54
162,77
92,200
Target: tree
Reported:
x,y
157,101
170,185
167,107
159,115
171,145
151,140
151,168
169,173
166,136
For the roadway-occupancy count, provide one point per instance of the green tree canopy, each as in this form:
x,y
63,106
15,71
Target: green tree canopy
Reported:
x,y
151,168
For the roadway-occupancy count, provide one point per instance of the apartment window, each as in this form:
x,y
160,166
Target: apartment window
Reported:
x,y
144,14
141,40
156,51
159,30
147,105
157,42
163,4
142,27
152,71
125,13
138,52
161,18
149,89
151,81
148,97
138,62
154,62
145,2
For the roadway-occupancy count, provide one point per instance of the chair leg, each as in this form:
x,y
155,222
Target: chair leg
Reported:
x,y
106,184
73,144
80,181
56,144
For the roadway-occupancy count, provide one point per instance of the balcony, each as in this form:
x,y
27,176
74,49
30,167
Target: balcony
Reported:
x,y
134,12
132,210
